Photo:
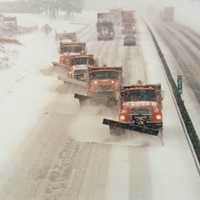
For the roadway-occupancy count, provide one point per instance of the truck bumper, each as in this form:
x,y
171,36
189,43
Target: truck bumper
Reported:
x,y
80,77
133,127
155,125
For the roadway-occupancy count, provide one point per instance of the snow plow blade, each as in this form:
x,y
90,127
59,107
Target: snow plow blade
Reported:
x,y
56,64
123,126
95,100
71,81
81,98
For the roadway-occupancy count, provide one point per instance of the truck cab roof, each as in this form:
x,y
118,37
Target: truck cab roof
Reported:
x,y
93,69
63,43
142,86
143,93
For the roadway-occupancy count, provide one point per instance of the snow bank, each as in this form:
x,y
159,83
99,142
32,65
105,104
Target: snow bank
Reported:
x,y
24,91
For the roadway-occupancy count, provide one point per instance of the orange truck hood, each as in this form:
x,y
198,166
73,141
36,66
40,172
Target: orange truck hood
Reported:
x,y
104,82
80,67
71,54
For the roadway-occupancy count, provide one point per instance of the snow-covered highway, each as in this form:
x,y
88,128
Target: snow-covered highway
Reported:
x,y
51,149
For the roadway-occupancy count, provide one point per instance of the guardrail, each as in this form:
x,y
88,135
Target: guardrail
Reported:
x,y
182,108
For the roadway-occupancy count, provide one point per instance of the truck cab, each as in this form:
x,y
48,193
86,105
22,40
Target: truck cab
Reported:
x,y
128,21
105,26
78,66
141,105
105,82
130,39
68,49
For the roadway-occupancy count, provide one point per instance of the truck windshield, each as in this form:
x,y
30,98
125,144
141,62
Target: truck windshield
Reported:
x,y
113,75
82,61
72,49
140,95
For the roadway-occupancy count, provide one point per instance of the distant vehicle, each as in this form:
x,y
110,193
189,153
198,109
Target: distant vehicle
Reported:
x,y
104,17
140,110
69,68
68,49
103,86
105,27
168,14
130,40
128,21
78,66
105,31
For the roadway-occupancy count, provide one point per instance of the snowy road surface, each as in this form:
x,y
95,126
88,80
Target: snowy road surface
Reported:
x,y
53,150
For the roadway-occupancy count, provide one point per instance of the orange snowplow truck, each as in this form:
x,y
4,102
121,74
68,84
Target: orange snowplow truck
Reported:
x,y
140,110
78,66
68,49
103,86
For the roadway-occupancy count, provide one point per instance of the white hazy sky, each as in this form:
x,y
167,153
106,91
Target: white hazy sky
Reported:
x,y
127,3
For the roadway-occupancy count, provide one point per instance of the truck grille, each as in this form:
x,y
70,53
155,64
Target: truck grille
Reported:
x,y
79,72
140,116
104,88
140,111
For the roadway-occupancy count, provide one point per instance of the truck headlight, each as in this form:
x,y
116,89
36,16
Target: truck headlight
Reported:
x,y
112,81
122,117
158,116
